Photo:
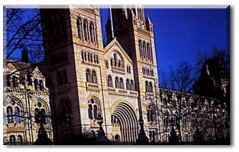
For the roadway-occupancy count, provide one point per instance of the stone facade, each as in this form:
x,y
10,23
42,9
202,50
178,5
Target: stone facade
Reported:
x,y
117,81
188,113
25,94
88,66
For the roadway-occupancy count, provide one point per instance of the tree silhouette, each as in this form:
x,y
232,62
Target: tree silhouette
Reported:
x,y
22,30
181,78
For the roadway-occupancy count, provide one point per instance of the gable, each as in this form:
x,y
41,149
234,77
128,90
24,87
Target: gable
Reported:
x,y
10,68
114,46
36,73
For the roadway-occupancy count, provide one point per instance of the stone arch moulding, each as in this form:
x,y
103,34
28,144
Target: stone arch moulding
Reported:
x,y
128,122
116,102
17,100
115,50
95,97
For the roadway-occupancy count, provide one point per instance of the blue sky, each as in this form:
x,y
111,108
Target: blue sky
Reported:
x,y
179,33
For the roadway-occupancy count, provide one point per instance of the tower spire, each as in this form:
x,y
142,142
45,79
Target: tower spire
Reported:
x,y
111,22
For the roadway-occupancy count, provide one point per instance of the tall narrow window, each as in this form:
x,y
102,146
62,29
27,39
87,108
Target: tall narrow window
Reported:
x,y
121,83
152,72
37,115
144,49
36,84
96,59
120,64
107,64
22,80
90,112
148,51
85,56
14,81
82,55
17,115
140,48
127,84
88,54
146,86
95,112
143,69
88,75
149,114
41,85
111,62
91,58
8,80
79,27
93,109
92,34
43,116
19,139
150,87
147,71
12,140
85,26
95,35
117,82
153,114
109,80
94,76
115,59
9,114
132,85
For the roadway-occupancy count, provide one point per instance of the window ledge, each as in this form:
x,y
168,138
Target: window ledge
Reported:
x,y
118,69
122,92
92,86
149,94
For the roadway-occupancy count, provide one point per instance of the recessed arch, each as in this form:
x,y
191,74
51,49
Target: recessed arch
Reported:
x,y
94,107
46,105
94,97
12,97
127,121
119,55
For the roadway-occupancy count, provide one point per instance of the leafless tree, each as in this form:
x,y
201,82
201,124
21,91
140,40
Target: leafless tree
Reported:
x,y
175,108
22,30
181,78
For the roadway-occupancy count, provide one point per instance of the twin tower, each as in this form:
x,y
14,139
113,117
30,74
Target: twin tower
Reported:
x,y
90,82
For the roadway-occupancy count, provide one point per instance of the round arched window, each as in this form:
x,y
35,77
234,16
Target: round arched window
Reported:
x,y
93,109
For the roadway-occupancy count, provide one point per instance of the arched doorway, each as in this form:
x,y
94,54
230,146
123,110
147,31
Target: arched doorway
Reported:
x,y
127,120
117,137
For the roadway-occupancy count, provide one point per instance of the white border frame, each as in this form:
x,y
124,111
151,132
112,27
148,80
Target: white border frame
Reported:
x,y
173,3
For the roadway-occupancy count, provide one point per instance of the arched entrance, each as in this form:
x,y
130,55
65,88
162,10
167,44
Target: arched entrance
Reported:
x,y
117,137
127,120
